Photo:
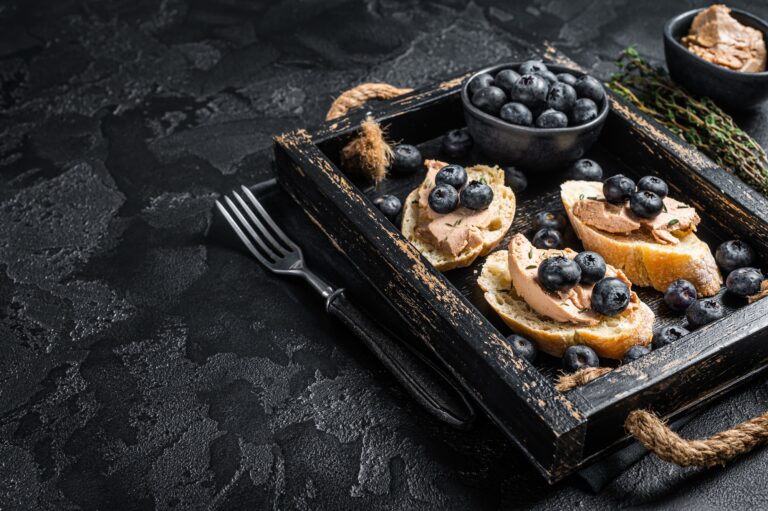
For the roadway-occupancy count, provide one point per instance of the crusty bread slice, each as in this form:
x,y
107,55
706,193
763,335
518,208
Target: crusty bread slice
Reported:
x,y
611,338
503,203
644,261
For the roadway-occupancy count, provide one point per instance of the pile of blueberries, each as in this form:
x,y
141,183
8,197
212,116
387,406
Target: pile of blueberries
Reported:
x,y
451,190
532,95
646,199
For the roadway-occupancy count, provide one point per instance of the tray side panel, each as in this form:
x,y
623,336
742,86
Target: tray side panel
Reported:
x,y
512,391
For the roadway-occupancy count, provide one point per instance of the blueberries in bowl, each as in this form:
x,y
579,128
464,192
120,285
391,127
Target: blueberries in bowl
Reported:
x,y
566,78
592,266
532,66
734,254
516,113
744,281
668,335
505,79
634,353
561,97
618,188
558,273
586,170
549,220
476,195
530,90
481,81
547,239
653,184
522,347
406,159
516,179
584,110
579,357
453,175
551,118
443,199
645,204
590,88
489,99
389,205
549,76
457,143
703,312
610,296
679,295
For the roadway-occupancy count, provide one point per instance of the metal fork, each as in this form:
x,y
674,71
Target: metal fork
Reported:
x,y
433,389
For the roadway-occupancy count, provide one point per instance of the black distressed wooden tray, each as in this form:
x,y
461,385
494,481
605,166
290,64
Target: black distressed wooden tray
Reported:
x,y
560,432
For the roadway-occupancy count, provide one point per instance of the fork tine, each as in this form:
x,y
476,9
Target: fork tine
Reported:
x,y
276,246
240,234
284,237
255,237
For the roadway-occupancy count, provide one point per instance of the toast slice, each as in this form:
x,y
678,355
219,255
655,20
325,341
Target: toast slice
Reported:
x,y
643,260
503,206
610,338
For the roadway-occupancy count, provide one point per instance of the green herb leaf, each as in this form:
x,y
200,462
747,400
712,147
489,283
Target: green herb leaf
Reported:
x,y
530,254
482,180
663,207
581,196
672,222
594,197
530,267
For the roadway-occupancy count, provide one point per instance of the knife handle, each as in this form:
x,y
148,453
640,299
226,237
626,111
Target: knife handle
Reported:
x,y
432,388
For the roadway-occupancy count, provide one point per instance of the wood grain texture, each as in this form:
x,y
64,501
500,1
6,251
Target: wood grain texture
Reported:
x,y
559,432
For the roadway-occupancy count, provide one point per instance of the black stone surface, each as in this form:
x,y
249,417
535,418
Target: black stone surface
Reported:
x,y
145,366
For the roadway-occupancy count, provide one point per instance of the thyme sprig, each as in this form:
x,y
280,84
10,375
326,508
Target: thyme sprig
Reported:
x,y
698,120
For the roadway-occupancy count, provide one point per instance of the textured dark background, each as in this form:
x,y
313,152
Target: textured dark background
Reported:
x,y
142,365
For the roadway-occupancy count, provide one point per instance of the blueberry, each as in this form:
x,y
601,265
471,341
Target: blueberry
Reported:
x,y
552,119
530,90
578,357
679,295
548,75
457,143
634,353
549,220
561,97
589,87
389,205
505,79
489,99
702,312
453,175
476,195
516,179
584,110
618,188
734,254
653,184
668,335
645,204
744,281
592,266
516,113
610,296
532,66
558,273
586,170
547,238
443,199
566,78
481,81
406,159
522,347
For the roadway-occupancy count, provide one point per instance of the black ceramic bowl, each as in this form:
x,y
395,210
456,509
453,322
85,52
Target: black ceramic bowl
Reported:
x,y
530,148
729,89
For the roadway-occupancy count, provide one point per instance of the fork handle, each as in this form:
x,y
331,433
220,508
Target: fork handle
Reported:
x,y
432,388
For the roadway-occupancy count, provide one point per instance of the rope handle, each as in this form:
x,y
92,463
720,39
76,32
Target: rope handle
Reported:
x,y
361,94
648,429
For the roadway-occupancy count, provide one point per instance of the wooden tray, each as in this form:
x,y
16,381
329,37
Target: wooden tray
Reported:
x,y
560,432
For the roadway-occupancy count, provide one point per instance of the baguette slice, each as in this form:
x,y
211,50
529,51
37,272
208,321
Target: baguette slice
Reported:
x,y
503,204
644,261
610,338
